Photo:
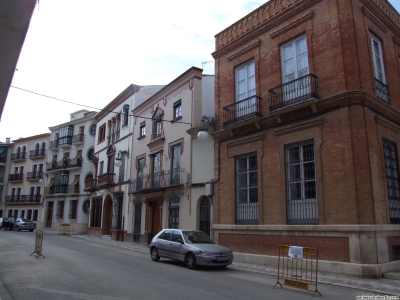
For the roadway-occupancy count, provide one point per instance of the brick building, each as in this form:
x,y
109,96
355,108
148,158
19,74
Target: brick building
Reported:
x,y
306,144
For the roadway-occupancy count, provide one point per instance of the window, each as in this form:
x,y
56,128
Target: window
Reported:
x,y
22,214
156,170
92,130
139,178
245,81
29,214
174,214
102,134
125,115
382,91
392,179
301,186
61,182
245,90
177,110
101,167
73,209
246,189
60,210
96,213
157,125
65,135
142,129
176,165
43,149
294,56
121,171
138,220
90,154
35,215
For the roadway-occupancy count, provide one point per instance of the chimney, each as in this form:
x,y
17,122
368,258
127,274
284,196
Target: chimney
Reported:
x,y
8,140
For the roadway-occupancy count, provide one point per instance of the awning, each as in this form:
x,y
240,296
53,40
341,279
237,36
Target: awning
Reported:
x,y
2,149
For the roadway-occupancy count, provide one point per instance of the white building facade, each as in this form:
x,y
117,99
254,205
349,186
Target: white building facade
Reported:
x,y
69,163
108,186
169,176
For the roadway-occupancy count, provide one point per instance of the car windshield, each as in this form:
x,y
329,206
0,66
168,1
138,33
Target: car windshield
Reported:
x,y
196,237
25,220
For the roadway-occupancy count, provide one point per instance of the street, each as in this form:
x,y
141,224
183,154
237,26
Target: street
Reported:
x,y
80,269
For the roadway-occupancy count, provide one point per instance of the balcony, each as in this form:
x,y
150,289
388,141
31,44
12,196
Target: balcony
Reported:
x,y
58,189
53,144
18,156
34,175
65,141
38,153
23,199
78,139
90,185
243,112
148,183
382,90
105,180
71,164
293,95
16,177
3,158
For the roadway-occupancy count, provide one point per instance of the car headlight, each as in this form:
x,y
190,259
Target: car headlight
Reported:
x,y
205,253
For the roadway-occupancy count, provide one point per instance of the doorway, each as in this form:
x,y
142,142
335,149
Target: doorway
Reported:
x,y
107,216
49,218
205,215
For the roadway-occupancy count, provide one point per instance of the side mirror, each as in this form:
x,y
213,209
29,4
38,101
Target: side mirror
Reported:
x,y
180,241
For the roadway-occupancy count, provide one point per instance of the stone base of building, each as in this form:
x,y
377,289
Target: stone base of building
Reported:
x,y
362,270
362,250
118,235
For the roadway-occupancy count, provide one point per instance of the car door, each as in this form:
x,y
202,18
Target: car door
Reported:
x,y
175,246
163,242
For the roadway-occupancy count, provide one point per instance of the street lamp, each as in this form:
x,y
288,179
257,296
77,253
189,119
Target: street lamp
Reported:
x,y
203,128
118,160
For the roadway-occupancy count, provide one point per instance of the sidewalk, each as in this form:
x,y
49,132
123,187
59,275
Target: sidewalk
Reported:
x,y
387,286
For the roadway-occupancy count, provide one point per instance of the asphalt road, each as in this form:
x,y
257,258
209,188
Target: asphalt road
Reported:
x,y
79,269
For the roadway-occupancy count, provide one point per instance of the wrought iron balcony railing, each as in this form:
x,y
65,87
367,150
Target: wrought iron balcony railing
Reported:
x,y
293,92
53,144
23,198
79,138
64,164
37,153
382,90
59,189
3,158
34,175
20,155
65,140
242,110
157,180
16,177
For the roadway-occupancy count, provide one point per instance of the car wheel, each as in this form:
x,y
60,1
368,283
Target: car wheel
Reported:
x,y
154,254
190,261
30,230
18,229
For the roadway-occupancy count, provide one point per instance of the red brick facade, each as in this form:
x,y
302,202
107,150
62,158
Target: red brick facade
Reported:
x,y
346,120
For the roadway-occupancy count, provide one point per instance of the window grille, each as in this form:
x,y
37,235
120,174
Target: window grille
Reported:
x,y
301,190
392,180
246,189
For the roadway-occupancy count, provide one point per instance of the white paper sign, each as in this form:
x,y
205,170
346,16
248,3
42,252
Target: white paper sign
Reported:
x,y
296,252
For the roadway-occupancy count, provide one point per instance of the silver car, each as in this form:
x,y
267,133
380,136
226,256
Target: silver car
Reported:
x,y
24,224
191,247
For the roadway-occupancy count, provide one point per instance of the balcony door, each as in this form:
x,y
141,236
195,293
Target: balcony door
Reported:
x,y
245,88
294,57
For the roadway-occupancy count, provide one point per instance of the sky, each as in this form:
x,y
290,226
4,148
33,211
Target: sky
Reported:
x,y
88,51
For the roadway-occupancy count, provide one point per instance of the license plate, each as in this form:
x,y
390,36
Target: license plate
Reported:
x,y
222,258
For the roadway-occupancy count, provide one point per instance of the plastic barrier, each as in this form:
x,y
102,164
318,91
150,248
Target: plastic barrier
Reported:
x,y
64,229
38,244
298,268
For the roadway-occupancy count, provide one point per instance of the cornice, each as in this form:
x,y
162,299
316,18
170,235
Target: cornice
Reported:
x,y
245,50
268,16
291,25
385,13
373,19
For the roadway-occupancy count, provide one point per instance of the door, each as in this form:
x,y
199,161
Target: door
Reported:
x,y
294,66
245,89
175,246
205,215
155,215
107,216
49,218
